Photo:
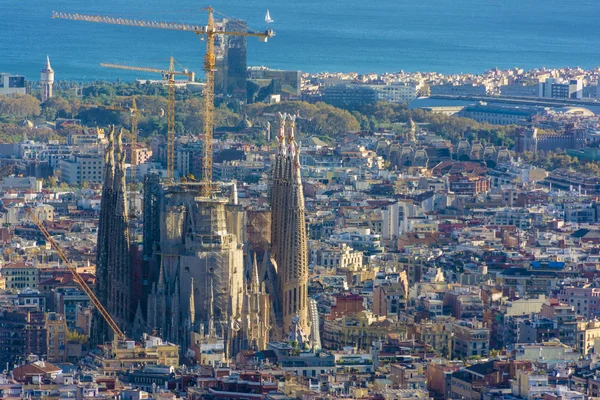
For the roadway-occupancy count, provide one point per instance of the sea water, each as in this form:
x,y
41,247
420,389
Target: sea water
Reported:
x,y
448,36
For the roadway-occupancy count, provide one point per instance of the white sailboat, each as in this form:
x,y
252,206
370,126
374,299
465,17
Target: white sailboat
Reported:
x,y
268,19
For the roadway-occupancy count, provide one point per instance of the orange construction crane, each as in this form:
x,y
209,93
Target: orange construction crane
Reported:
x,y
169,76
209,31
78,278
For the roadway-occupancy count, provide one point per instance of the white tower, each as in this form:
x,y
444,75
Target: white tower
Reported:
x,y
47,79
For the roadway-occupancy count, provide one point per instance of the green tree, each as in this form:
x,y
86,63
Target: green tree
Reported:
x,y
11,133
76,337
19,106
59,106
592,168
316,119
51,182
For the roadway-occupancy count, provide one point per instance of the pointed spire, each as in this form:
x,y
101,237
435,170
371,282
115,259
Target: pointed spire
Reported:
x,y
255,286
138,320
192,306
109,154
119,181
291,139
288,232
120,163
234,194
211,318
161,279
173,329
175,314
109,160
281,136
412,133
297,165
119,144
47,68
138,310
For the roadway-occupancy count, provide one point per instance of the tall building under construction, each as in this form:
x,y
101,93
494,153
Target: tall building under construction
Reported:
x,y
230,64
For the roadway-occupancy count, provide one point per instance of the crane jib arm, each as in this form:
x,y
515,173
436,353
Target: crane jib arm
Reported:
x,y
145,69
176,26
77,277
210,30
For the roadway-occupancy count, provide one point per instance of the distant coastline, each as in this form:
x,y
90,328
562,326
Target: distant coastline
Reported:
x,y
134,76
448,36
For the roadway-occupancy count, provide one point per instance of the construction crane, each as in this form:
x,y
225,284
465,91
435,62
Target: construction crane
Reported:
x,y
209,31
169,76
78,278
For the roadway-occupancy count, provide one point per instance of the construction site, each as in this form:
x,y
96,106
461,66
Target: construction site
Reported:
x,y
192,281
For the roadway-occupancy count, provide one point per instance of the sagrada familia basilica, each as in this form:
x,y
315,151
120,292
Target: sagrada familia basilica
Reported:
x,y
192,278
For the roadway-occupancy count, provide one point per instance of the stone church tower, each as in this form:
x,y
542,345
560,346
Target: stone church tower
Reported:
x,y
113,262
47,80
289,253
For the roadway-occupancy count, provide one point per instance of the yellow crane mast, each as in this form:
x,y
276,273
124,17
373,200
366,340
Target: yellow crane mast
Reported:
x,y
208,121
78,278
169,76
133,154
209,31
